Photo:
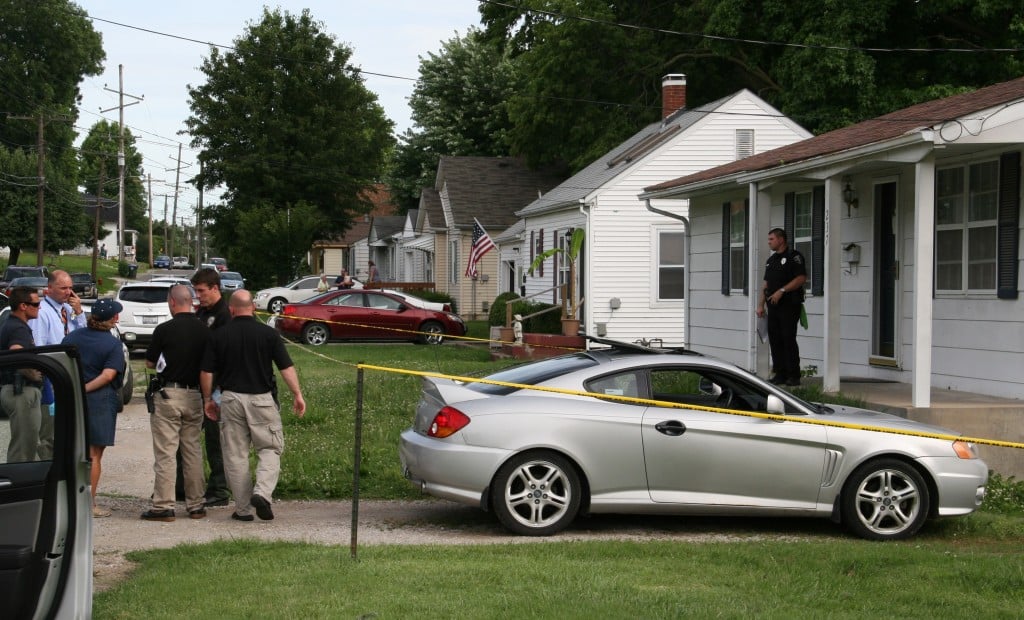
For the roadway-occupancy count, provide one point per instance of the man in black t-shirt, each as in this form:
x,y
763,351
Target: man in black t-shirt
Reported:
x,y
20,394
783,291
241,356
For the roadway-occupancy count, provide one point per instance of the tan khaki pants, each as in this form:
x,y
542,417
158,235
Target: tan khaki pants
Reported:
x,y
177,421
250,420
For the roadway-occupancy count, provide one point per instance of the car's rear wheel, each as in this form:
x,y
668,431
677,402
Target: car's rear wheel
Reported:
x,y
315,334
276,305
431,332
536,494
885,499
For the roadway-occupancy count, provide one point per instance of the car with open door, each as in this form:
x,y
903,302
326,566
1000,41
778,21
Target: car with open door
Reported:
x,y
45,503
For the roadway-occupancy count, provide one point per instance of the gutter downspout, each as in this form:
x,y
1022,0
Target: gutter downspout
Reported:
x,y
585,293
686,274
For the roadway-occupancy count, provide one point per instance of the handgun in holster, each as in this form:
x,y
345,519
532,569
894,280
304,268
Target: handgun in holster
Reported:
x,y
155,386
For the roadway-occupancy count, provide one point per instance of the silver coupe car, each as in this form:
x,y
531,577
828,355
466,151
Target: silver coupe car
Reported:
x,y
537,459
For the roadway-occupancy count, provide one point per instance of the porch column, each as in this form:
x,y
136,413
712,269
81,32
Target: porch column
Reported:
x,y
924,248
759,223
831,315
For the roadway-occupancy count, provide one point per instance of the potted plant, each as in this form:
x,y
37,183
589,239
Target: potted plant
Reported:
x,y
570,316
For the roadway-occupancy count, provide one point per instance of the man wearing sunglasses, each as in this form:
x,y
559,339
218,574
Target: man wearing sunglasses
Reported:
x,y
21,390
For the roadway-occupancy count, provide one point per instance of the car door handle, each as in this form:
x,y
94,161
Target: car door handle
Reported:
x,y
672,428
4,483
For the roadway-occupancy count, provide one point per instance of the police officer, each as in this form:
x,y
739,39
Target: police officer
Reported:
x,y
20,391
783,292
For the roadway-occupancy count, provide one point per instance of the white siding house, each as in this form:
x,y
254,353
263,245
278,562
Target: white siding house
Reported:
x,y
633,268
911,226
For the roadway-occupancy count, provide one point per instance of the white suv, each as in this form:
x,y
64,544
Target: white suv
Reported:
x,y
145,307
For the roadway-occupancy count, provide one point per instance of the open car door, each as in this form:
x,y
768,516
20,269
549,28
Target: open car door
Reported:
x,y
45,503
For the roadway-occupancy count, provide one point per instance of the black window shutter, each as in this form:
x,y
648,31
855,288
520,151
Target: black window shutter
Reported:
x,y
746,246
1008,235
725,248
817,271
789,217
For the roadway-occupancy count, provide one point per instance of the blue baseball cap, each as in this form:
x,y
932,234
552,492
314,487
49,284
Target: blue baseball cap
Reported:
x,y
106,309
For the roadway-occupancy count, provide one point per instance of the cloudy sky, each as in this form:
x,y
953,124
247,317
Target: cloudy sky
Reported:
x,y
387,37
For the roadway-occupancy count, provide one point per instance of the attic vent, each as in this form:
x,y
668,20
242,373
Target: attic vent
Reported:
x,y
645,146
744,143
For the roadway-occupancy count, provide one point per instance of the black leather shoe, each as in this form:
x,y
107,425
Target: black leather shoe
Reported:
x,y
214,502
197,513
158,515
238,517
777,380
793,382
262,507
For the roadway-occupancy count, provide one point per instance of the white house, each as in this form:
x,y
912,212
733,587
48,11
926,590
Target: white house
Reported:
x,y
633,267
911,224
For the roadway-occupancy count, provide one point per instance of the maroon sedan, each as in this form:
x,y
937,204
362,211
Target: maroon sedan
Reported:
x,y
365,315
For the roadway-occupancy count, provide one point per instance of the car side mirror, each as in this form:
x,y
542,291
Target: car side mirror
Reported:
x,y
775,404
403,308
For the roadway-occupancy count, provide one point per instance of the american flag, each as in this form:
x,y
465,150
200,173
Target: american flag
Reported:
x,y
482,244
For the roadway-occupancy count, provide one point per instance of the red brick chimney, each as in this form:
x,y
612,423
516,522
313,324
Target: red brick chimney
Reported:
x,y
673,93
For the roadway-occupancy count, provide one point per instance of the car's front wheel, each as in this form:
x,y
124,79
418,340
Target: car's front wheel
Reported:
x,y
276,305
315,334
885,499
536,494
431,332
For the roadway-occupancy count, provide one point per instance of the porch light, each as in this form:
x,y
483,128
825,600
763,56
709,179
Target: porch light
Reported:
x,y
849,196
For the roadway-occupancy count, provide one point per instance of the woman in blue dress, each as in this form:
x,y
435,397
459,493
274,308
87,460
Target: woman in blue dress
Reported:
x,y
102,360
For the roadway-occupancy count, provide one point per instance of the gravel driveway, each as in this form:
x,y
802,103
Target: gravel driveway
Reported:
x,y
127,483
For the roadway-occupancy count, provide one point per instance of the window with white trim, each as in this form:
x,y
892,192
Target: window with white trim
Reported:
x,y
671,267
803,232
453,261
737,245
966,222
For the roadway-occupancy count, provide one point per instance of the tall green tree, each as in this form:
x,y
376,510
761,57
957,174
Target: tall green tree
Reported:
x,y
459,107
592,68
97,154
47,47
283,118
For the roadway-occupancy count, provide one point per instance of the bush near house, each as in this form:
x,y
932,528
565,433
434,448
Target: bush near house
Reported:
x,y
547,323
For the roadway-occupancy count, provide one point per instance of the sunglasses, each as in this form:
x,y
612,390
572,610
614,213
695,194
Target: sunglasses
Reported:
x,y
34,304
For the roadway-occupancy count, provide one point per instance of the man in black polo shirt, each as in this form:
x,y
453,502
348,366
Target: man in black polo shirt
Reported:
x,y
242,355
20,394
176,352
783,290
213,312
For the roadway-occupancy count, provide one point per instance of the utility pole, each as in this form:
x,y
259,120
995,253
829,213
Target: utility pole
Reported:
x,y
120,157
150,178
41,176
96,220
174,213
199,217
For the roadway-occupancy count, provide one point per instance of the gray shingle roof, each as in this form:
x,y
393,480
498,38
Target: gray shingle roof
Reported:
x,y
490,189
599,172
935,113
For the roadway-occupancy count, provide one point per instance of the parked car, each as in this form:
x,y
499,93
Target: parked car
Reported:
x,y
46,506
231,281
219,263
538,459
418,301
180,262
162,262
4,302
16,271
274,299
145,307
365,315
83,285
40,284
207,266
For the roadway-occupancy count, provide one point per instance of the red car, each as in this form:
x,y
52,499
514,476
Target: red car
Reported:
x,y
365,315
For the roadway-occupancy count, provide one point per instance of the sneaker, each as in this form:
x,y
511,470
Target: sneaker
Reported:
x,y
99,512
262,507
158,515
238,517
214,502
197,513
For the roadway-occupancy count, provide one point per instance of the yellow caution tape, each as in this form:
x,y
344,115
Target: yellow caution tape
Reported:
x,y
667,404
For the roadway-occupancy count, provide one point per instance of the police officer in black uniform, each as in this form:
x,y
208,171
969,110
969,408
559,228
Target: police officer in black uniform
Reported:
x,y
783,292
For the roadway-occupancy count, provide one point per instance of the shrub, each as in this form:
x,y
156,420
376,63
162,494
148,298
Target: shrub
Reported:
x,y
496,317
122,268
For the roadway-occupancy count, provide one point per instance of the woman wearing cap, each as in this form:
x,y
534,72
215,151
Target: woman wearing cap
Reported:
x,y
103,369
